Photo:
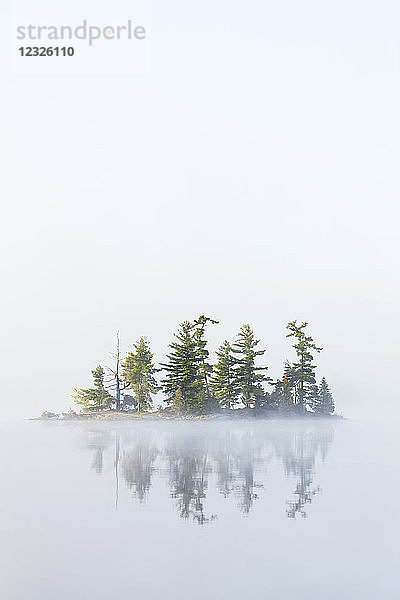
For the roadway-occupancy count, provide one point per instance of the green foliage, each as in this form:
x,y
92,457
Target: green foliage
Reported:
x,y
205,369
248,376
177,402
287,401
312,397
322,400
327,401
193,386
96,398
188,371
128,402
284,391
303,371
223,381
184,380
138,372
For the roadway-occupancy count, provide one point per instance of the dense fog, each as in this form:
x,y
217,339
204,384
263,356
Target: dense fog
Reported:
x,y
285,508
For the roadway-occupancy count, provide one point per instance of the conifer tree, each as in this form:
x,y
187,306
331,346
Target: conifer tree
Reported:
x,y
326,404
97,397
287,395
184,382
248,376
291,375
205,368
223,380
177,402
312,398
304,368
128,402
284,392
138,372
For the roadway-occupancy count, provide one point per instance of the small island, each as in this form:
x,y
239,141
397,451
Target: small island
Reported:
x,y
235,386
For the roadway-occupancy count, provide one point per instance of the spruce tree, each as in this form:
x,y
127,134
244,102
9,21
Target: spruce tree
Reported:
x,y
138,372
223,380
184,382
313,399
303,369
248,376
284,391
177,402
287,395
97,397
327,403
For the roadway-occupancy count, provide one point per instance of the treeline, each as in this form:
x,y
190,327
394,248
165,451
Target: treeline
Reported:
x,y
193,385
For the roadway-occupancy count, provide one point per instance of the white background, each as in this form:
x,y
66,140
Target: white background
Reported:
x,y
251,175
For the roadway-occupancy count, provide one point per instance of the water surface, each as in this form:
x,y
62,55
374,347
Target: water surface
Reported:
x,y
280,509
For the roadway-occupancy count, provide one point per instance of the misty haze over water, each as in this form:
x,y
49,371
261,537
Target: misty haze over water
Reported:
x,y
219,509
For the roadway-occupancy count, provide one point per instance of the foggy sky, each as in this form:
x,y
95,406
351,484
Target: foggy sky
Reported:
x,y
251,175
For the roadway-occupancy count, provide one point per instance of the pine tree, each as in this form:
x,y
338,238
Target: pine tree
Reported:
x,y
304,368
184,382
138,372
223,380
205,369
248,377
96,398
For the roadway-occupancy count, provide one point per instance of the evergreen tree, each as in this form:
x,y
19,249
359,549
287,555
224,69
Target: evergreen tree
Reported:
x,y
205,369
128,402
184,383
324,403
284,391
327,401
291,375
177,402
313,400
303,369
287,395
223,380
248,377
96,398
138,371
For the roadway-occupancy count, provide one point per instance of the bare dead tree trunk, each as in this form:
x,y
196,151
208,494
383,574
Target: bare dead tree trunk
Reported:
x,y
119,385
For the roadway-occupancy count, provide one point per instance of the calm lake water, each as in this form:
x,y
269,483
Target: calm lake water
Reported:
x,y
215,510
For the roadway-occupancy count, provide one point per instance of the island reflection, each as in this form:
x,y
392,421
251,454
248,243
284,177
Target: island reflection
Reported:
x,y
232,458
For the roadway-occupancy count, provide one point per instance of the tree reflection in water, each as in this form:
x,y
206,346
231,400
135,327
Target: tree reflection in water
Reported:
x,y
138,466
299,452
189,467
98,441
235,456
